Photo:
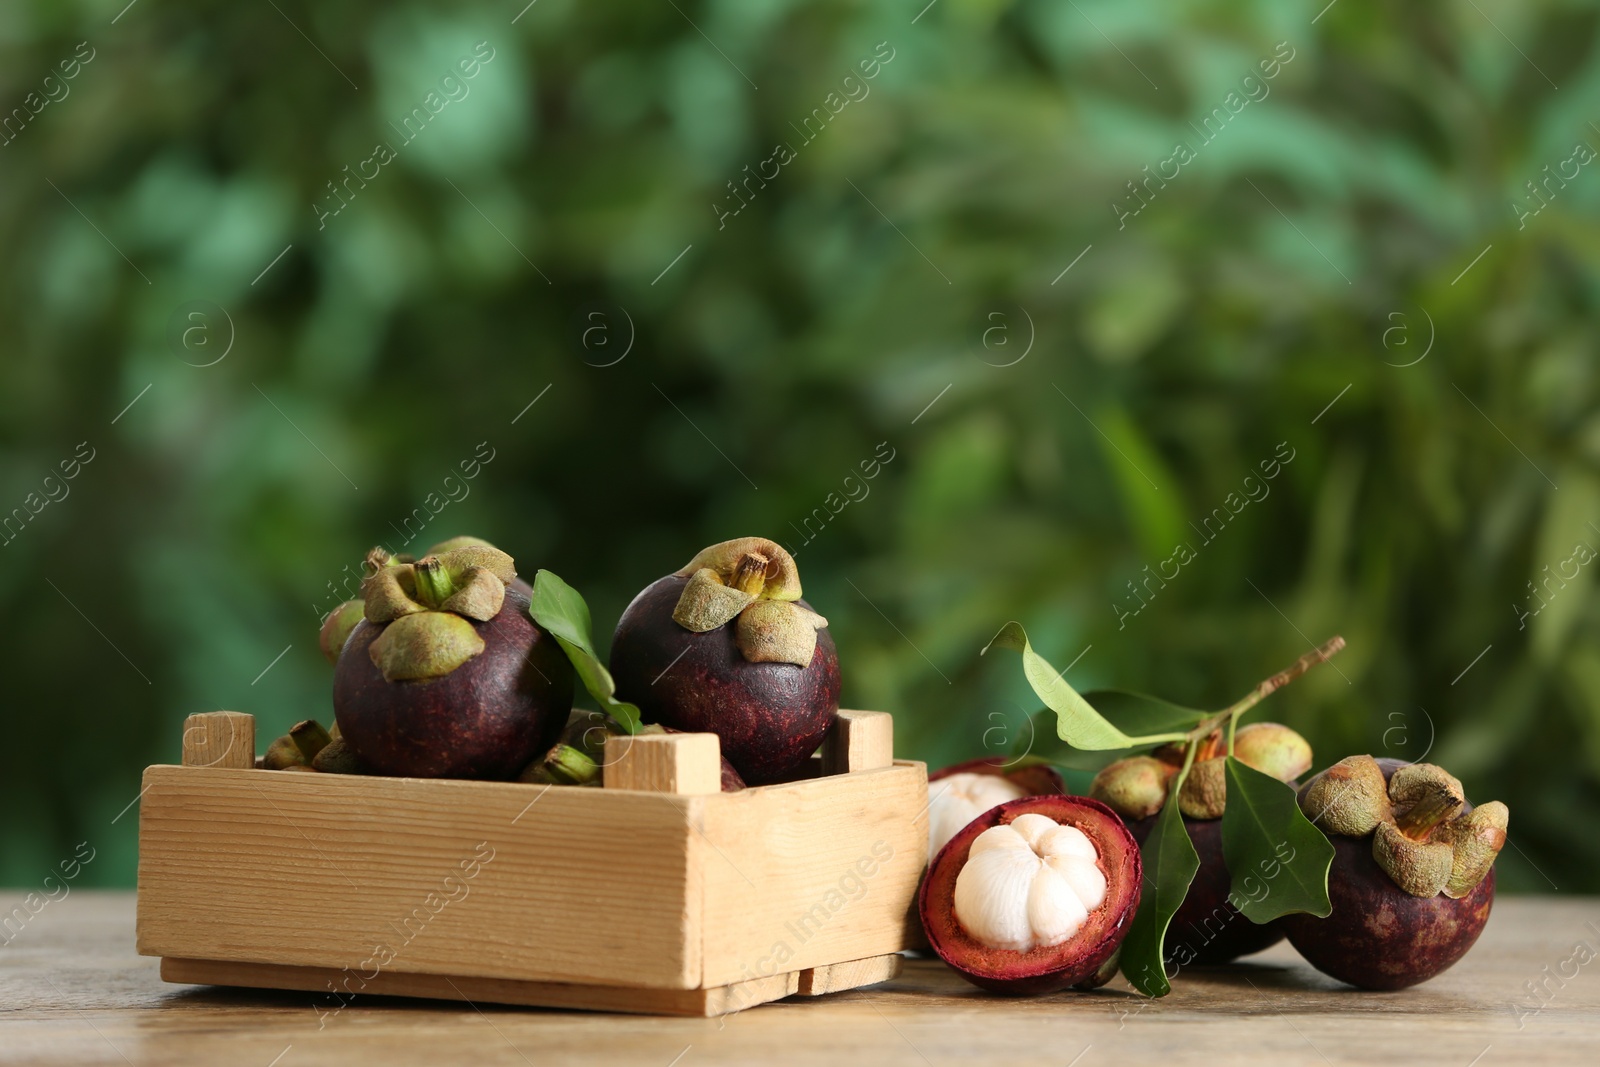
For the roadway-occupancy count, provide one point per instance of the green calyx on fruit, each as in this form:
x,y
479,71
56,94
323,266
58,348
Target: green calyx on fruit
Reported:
x,y
1350,798
427,607
563,765
337,758
1422,796
1272,749
338,623
1205,792
297,748
1419,866
337,626
1422,837
755,581
308,747
1135,787
1475,840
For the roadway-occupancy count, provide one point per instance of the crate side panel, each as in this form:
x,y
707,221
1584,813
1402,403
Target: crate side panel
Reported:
x,y
812,873
490,879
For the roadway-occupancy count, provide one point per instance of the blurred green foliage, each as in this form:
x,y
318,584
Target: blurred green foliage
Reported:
x,y
883,287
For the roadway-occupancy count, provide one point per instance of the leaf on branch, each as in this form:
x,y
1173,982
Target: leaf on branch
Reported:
x,y
1077,722
1278,861
1170,863
562,611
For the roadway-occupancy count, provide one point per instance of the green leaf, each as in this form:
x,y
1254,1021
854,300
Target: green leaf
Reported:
x,y
1077,722
1278,861
1170,863
562,611
1137,713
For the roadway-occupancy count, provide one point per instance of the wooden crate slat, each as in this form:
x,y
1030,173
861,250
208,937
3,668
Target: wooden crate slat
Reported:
x,y
321,870
859,741
837,977
812,873
573,996
219,739
658,894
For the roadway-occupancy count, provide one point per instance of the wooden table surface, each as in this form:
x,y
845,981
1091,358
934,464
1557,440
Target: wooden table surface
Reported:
x,y
72,991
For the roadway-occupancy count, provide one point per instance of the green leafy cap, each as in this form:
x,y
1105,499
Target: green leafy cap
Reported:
x,y
427,608
755,581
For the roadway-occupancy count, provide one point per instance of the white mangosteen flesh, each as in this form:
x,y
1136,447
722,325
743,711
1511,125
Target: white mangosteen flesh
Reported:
x,y
1030,883
960,798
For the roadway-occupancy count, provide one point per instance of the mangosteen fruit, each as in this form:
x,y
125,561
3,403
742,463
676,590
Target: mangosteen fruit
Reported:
x,y
1412,880
1034,895
336,628
298,747
467,541
578,758
960,793
726,646
446,675
1211,928
338,623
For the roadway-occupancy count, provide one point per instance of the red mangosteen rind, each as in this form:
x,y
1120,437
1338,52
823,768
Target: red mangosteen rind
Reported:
x,y
1079,960
1038,779
1378,936
1212,929
488,718
770,716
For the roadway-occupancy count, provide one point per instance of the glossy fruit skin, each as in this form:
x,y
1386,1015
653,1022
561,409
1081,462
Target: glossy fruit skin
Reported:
x,y
488,718
1038,780
770,717
1212,929
1077,962
1380,937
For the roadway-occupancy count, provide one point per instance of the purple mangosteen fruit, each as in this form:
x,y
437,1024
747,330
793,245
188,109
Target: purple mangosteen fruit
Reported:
x,y
1412,880
726,646
338,623
1213,930
446,675
1206,924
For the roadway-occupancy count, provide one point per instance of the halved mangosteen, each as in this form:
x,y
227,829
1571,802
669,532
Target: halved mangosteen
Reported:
x,y
960,793
1034,895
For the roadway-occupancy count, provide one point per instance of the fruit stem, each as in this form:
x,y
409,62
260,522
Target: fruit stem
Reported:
x,y
433,582
750,573
1183,772
1420,819
309,737
1229,716
566,765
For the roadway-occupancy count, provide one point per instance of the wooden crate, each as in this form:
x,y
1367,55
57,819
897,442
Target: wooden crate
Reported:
x,y
656,894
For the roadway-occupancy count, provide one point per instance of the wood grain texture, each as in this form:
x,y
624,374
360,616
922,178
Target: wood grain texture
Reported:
x,y
75,993
565,995
859,741
811,873
515,882
335,871
219,739
837,977
682,764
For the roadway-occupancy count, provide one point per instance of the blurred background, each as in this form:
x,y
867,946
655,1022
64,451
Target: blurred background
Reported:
x,y
666,272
